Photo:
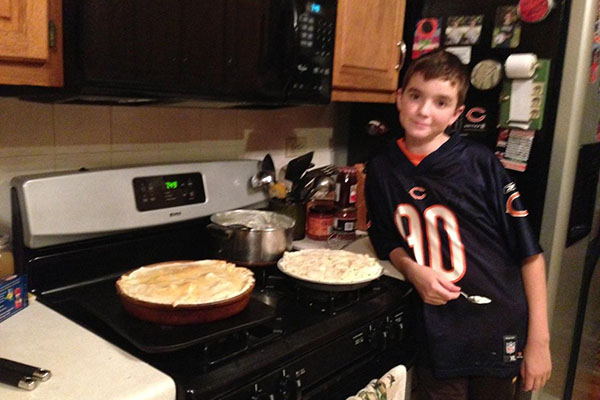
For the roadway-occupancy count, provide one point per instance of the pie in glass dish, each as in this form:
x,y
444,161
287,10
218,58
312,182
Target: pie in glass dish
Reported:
x,y
185,292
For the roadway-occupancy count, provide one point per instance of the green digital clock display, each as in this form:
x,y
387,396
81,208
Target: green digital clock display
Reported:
x,y
171,185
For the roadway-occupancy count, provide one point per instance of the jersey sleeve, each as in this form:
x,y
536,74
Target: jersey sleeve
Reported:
x,y
512,214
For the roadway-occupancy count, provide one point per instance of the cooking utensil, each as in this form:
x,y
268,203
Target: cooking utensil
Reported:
x,y
297,166
184,314
262,179
261,240
304,185
265,176
476,299
17,379
322,184
268,164
36,373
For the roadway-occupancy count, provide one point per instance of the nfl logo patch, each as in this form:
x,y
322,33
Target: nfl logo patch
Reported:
x,y
510,348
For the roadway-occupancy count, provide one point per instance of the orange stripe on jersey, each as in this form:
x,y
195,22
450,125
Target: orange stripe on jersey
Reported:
x,y
414,158
509,208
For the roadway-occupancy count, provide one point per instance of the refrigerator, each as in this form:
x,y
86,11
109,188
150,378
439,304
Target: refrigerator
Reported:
x,y
553,156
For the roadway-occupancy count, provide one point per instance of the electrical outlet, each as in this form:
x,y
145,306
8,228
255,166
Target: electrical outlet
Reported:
x,y
295,146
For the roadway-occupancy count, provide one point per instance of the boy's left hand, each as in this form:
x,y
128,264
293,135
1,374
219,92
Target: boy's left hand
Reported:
x,y
536,366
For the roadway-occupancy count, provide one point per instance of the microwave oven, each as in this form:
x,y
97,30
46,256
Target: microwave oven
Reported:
x,y
178,51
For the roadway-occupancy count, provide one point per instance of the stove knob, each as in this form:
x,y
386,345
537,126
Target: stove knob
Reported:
x,y
396,330
378,339
289,388
261,396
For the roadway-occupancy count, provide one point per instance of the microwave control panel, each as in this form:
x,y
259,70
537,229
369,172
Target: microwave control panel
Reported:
x,y
315,38
165,191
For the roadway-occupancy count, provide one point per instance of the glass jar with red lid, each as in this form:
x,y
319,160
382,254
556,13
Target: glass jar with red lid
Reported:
x,y
345,187
319,221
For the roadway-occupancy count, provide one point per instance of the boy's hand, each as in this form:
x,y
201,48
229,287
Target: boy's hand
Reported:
x,y
432,287
536,365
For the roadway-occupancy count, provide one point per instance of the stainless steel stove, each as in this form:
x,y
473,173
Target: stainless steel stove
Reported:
x,y
75,233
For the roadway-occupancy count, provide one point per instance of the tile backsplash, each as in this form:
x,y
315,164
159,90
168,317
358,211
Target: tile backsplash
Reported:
x,y
38,137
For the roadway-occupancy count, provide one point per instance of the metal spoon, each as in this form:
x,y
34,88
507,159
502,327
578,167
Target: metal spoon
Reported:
x,y
476,299
322,184
262,179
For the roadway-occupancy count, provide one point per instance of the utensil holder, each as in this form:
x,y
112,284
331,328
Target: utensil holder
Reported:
x,y
295,210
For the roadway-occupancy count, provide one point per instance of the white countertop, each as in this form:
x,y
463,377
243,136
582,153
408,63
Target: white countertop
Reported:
x,y
361,245
83,365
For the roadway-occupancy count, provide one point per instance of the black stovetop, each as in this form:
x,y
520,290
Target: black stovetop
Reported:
x,y
282,321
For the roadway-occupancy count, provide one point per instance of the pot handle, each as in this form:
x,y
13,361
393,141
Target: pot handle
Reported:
x,y
220,230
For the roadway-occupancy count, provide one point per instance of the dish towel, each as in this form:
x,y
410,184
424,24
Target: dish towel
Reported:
x,y
391,386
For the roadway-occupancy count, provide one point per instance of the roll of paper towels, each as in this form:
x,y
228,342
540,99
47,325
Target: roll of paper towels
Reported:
x,y
520,66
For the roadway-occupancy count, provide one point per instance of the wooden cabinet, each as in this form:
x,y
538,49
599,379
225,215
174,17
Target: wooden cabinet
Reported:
x,y
31,42
367,55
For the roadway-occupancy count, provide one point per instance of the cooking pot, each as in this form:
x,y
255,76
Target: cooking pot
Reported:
x,y
250,237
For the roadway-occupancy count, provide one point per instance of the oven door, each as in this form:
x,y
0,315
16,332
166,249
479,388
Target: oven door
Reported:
x,y
354,378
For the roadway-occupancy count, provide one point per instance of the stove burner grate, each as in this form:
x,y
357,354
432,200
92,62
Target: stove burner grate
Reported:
x,y
332,302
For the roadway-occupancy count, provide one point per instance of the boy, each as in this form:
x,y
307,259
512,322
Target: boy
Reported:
x,y
446,214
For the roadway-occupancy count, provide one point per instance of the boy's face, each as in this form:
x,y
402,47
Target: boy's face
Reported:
x,y
427,107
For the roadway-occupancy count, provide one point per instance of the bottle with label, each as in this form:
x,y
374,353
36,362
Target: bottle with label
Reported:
x,y
345,187
344,223
7,265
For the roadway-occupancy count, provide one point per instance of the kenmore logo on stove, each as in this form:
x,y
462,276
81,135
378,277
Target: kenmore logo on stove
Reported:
x,y
175,214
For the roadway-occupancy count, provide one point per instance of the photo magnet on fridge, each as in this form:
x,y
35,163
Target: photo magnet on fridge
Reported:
x,y
463,30
507,28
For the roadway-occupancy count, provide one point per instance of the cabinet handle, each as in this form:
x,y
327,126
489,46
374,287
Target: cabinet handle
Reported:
x,y
51,34
402,46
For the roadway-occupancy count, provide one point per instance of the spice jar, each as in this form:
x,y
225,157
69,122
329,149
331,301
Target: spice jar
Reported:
x,y
319,221
344,223
7,264
345,187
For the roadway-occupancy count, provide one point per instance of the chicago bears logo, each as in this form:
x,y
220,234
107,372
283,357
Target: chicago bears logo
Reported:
x,y
417,193
511,210
476,114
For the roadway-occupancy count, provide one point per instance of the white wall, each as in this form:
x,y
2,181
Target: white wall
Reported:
x,y
38,137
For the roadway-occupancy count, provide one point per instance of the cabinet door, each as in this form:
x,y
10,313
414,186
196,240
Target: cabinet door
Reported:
x,y
367,50
26,55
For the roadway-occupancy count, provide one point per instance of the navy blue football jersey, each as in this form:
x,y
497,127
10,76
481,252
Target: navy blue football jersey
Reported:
x,y
458,212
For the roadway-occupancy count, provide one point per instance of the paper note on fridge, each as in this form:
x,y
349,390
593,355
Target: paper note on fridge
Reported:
x,y
520,102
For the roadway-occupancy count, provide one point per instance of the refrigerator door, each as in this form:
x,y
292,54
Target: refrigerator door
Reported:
x,y
583,375
570,281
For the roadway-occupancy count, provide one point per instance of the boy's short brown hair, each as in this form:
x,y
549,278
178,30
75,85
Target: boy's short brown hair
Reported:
x,y
440,64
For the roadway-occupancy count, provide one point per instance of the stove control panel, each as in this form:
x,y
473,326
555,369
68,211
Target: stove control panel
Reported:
x,y
332,363
164,191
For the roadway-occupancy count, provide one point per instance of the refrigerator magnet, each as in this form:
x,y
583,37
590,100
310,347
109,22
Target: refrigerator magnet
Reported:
x,y
507,28
463,30
475,120
534,10
427,36
462,52
486,74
